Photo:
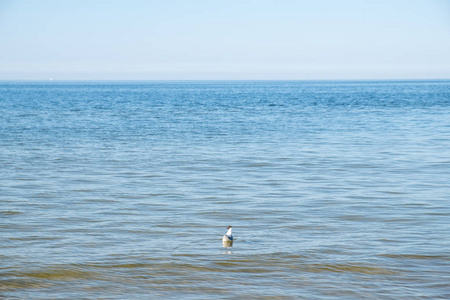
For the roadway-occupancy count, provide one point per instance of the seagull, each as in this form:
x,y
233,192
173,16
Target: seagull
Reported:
x,y
227,239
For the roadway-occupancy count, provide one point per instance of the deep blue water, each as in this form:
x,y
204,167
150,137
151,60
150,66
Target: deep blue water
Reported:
x,y
124,189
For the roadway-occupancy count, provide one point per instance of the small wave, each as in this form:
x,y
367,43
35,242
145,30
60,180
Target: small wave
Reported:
x,y
349,268
60,273
418,256
10,212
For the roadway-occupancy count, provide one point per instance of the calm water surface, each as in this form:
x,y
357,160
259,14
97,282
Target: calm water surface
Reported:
x,y
123,190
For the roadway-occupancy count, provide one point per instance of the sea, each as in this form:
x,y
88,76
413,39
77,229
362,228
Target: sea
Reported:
x,y
124,189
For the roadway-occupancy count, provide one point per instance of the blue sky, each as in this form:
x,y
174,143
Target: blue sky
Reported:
x,y
208,39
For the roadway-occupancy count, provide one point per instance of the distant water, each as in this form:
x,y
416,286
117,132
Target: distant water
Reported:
x,y
123,190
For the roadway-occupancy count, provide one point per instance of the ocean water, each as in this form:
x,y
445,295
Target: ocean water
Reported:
x,y
123,190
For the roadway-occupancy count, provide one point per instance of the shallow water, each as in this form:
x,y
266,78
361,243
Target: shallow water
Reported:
x,y
113,190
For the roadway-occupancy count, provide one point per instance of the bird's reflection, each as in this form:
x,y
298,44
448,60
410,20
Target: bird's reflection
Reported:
x,y
229,252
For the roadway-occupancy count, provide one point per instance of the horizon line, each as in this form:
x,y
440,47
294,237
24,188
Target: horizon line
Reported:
x,y
156,80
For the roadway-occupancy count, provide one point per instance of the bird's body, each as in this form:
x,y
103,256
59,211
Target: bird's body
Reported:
x,y
227,239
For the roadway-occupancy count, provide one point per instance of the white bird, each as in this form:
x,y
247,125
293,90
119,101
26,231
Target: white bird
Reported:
x,y
227,239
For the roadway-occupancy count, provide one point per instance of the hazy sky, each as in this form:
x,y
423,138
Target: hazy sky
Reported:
x,y
228,39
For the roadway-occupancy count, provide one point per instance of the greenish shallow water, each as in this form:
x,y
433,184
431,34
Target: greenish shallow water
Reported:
x,y
113,190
